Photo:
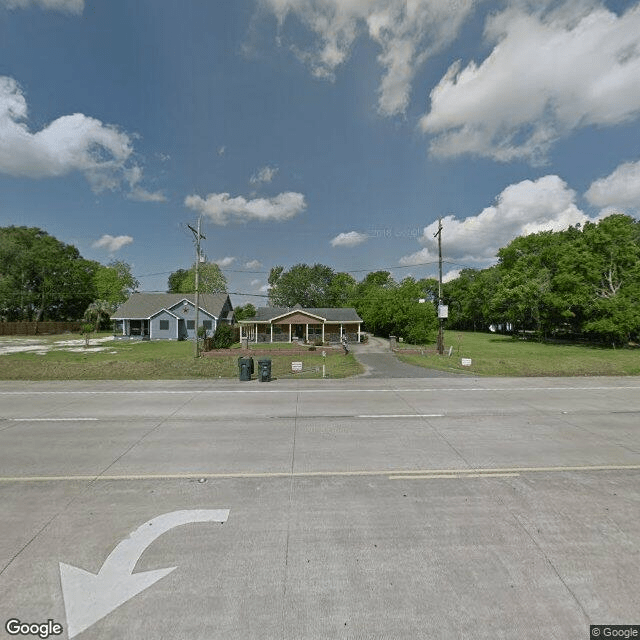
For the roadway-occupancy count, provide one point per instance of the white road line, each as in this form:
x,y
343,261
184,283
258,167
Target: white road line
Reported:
x,y
322,474
403,415
433,476
52,419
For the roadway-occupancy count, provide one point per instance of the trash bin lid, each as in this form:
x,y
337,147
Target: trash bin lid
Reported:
x,y
264,360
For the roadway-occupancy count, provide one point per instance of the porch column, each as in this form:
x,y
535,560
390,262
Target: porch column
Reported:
x,y
271,330
341,330
359,332
255,328
289,332
240,334
323,332
307,333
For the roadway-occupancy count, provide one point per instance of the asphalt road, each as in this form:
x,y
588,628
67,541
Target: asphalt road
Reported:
x,y
362,508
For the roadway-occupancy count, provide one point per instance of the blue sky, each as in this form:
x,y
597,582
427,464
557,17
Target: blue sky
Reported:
x,y
331,131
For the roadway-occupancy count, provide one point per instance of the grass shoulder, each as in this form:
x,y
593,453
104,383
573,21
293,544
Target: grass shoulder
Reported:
x,y
52,359
498,355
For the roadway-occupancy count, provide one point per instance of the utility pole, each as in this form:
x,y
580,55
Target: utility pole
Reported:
x,y
198,236
438,234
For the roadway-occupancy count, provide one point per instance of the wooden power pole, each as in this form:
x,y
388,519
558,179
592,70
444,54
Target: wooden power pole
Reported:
x,y
198,236
438,233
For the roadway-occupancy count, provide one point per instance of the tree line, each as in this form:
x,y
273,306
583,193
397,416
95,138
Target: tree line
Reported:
x,y
578,283
42,278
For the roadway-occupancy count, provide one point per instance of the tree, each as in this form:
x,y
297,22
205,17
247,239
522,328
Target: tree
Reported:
x,y
42,278
241,313
308,286
98,313
341,291
114,283
388,308
612,251
210,279
469,299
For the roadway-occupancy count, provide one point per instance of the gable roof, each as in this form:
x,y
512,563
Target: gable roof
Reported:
x,y
337,314
145,305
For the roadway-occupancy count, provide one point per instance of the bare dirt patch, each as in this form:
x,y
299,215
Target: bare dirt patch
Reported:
x,y
42,346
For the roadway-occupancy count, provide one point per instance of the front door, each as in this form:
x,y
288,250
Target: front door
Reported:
x,y
182,329
299,331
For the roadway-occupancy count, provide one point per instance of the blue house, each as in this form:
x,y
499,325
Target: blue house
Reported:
x,y
170,316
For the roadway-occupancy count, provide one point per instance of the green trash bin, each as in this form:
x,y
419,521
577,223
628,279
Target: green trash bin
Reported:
x,y
245,368
264,369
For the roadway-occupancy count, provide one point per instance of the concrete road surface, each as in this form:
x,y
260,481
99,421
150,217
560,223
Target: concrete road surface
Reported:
x,y
361,509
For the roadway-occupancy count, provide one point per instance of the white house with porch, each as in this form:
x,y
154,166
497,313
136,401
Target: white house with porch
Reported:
x,y
297,324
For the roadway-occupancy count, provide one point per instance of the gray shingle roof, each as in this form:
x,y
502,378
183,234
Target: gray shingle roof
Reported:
x,y
144,305
338,314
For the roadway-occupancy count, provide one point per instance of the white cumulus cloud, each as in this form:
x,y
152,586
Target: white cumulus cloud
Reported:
x,y
221,208
70,143
138,193
546,76
264,175
70,6
406,31
253,264
225,262
350,239
545,204
112,243
621,188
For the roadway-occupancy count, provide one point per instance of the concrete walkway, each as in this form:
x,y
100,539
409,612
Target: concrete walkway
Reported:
x,y
380,362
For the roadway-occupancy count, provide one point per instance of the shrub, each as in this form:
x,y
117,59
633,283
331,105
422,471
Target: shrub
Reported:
x,y
223,338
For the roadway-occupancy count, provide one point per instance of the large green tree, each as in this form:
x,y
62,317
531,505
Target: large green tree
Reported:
x,y
210,279
469,298
388,308
115,283
611,249
308,286
42,278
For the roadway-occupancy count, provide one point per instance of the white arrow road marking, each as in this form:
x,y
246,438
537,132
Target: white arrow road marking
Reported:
x,y
89,597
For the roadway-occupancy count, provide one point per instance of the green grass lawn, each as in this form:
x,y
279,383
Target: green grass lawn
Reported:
x,y
162,360
497,355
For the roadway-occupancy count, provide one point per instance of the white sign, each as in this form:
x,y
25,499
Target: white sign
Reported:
x,y
296,366
443,311
466,362
89,597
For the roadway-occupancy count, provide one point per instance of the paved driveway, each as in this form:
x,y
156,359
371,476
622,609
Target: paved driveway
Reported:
x,y
380,362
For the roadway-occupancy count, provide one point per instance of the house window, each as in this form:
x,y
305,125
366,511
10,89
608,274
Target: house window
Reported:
x,y
207,324
164,325
191,325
